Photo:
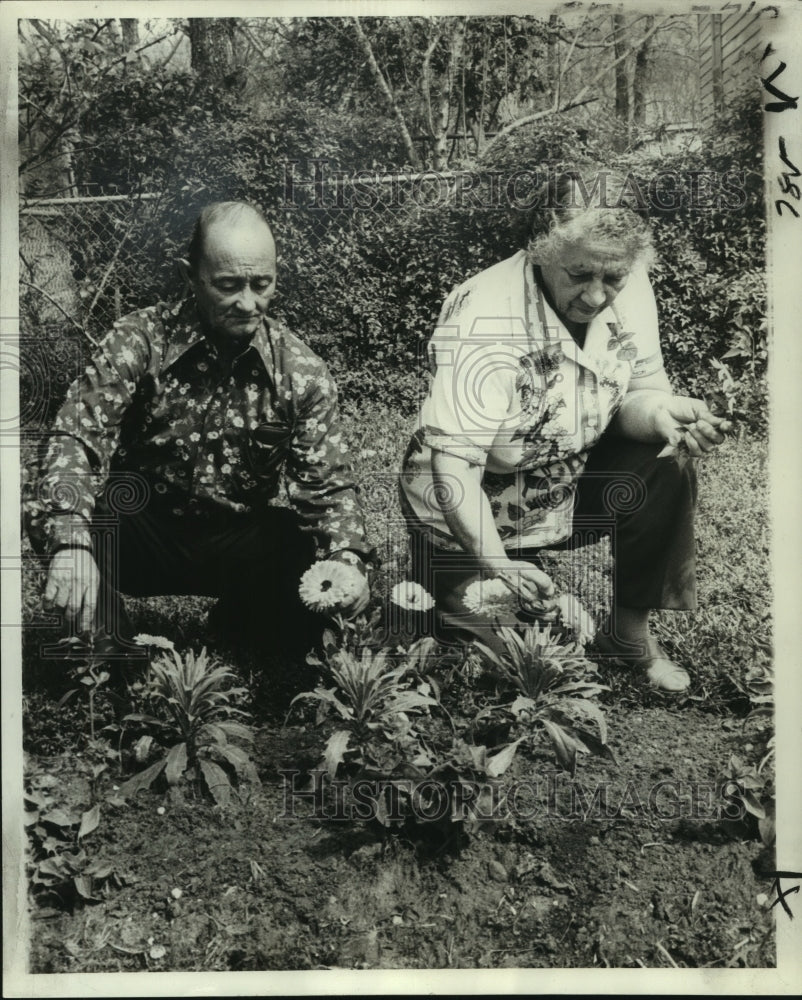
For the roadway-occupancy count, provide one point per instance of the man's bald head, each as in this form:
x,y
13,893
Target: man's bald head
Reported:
x,y
228,214
232,268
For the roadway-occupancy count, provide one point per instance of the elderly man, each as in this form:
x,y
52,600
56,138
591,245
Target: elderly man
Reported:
x,y
195,410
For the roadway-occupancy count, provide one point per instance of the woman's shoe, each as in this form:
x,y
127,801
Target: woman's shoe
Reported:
x,y
661,671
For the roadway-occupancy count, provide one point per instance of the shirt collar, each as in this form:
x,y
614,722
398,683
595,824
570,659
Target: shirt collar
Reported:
x,y
597,335
185,332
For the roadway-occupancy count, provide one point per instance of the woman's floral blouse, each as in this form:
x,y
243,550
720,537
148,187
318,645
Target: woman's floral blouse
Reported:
x,y
158,409
513,393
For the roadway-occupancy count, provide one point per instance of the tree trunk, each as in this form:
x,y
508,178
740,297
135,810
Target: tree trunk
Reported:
x,y
553,60
130,30
621,74
212,43
639,79
456,44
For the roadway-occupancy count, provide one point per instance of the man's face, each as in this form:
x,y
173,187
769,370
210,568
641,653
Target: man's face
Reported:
x,y
584,282
236,277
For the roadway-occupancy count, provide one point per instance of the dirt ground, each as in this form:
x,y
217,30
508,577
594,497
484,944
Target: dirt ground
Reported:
x,y
646,878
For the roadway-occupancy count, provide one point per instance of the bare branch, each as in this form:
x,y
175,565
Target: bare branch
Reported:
x,y
136,51
61,309
384,86
426,80
46,33
579,98
174,49
107,272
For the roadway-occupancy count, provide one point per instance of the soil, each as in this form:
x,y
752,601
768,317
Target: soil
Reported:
x,y
638,882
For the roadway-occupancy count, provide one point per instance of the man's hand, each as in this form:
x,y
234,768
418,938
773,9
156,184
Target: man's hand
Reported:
x,y
72,586
534,586
361,596
358,603
682,419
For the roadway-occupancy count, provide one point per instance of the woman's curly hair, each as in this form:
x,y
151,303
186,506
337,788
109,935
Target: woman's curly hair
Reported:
x,y
603,209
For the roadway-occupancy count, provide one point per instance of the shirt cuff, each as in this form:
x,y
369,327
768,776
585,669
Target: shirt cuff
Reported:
x,y
66,531
361,559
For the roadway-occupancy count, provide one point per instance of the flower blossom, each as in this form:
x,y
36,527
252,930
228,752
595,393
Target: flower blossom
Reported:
x,y
491,597
154,640
411,596
328,584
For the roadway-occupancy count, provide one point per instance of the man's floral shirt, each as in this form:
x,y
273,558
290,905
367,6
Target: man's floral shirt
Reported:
x,y
159,411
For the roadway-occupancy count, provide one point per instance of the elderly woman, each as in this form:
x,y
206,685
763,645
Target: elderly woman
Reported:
x,y
549,422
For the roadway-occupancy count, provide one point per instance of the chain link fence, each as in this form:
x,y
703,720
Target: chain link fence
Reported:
x,y
81,263
87,261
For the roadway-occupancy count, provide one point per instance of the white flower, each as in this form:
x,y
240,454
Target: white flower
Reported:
x,y
411,596
491,597
153,640
327,584
576,618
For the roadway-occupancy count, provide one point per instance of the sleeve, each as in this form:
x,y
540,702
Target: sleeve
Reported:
x,y
320,483
637,309
59,506
471,396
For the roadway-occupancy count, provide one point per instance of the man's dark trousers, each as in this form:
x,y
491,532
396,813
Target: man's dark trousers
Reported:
x,y
251,562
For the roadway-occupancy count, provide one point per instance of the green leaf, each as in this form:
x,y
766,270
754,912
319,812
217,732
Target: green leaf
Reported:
x,y
89,821
236,729
99,869
767,829
564,746
83,883
522,704
58,817
176,763
751,782
216,781
56,868
408,700
149,720
587,709
752,805
582,737
241,763
142,780
335,750
499,762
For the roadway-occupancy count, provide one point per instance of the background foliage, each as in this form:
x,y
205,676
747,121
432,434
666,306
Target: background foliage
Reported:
x,y
363,285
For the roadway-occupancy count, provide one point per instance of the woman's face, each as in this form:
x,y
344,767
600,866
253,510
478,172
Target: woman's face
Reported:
x,y
584,282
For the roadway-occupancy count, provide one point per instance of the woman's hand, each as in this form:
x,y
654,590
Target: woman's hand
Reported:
x,y
532,584
680,419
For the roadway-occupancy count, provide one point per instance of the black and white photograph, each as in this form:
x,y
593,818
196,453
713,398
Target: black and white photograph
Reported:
x,y
400,533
